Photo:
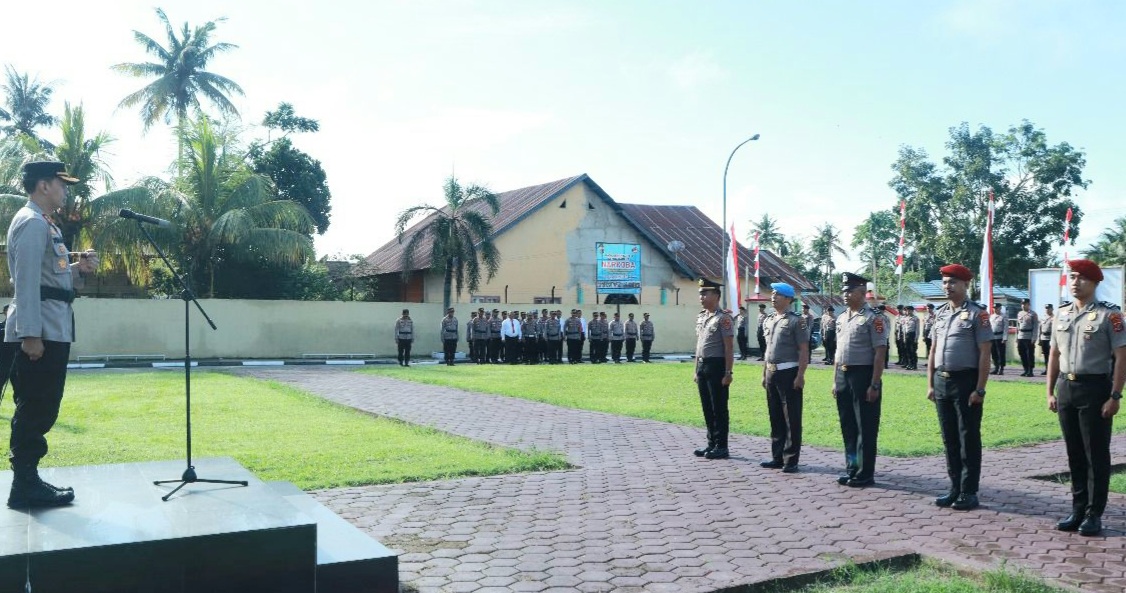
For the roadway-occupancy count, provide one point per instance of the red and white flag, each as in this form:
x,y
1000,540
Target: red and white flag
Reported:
x,y
732,264
758,287
985,273
1063,266
902,231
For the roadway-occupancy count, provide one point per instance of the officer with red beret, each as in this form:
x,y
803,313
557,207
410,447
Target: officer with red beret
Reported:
x,y
1088,341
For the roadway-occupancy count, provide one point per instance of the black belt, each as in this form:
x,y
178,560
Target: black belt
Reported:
x,y
846,367
56,294
947,374
1074,378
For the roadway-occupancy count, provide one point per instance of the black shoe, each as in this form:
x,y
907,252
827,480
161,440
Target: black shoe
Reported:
x,y
946,500
1092,525
771,464
27,494
965,502
1071,523
855,483
717,453
790,469
704,451
1042,373
843,479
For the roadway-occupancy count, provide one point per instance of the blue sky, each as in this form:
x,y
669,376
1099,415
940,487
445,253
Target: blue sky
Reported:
x,y
648,97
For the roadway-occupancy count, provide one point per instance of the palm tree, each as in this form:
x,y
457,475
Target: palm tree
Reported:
x,y
460,237
1110,249
26,110
877,238
179,74
826,242
222,213
769,235
83,158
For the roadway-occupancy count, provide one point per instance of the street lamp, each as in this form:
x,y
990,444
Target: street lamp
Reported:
x,y
723,229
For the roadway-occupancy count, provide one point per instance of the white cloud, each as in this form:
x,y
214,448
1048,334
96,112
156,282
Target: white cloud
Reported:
x,y
694,71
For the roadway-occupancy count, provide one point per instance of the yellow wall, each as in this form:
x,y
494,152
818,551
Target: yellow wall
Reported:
x,y
554,246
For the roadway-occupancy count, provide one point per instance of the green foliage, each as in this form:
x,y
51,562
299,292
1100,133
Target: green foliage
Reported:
x,y
286,120
297,177
927,577
26,106
769,236
825,244
83,158
1110,249
1033,183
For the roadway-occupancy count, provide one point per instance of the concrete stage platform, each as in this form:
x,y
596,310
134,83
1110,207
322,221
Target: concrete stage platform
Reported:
x,y
120,536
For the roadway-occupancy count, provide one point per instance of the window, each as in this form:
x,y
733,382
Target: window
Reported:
x,y
480,298
548,300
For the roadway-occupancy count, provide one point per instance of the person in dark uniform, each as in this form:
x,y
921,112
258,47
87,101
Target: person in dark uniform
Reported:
x,y
496,347
1027,324
957,371
742,322
594,336
39,328
553,333
999,324
808,316
910,339
928,328
481,337
829,334
450,329
631,338
715,357
900,349
648,334
617,338
1045,332
469,336
862,345
1086,372
573,331
759,333
404,337
783,378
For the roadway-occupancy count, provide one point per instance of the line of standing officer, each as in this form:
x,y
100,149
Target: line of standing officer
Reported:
x,y
1027,324
783,378
449,328
715,357
404,337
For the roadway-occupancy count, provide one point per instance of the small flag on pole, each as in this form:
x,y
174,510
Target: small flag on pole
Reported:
x,y
1063,266
758,287
986,271
733,273
902,231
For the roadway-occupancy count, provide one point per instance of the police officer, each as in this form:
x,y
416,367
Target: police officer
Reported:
x,y
604,348
808,316
529,338
573,331
928,328
404,336
862,346
957,371
910,338
553,333
1088,341
742,321
1046,335
783,378
594,334
481,337
617,338
469,335
450,328
495,345
1027,324
759,335
715,356
541,336
631,338
829,334
648,333
999,324
39,328
900,349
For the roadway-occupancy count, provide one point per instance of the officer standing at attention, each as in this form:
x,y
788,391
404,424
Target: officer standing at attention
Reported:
x,y
808,316
759,333
1046,335
495,345
404,335
1027,324
928,328
999,324
829,334
648,334
900,347
594,334
910,338
957,371
631,338
553,333
469,335
783,378
617,338
481,337
862,346
715,356
742,322
39,328
573,331
450,328
1088,342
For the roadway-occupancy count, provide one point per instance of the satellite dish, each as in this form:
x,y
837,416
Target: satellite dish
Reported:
x,y
675,247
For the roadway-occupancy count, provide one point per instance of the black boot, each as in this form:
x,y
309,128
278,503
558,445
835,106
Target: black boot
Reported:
x,y
29,490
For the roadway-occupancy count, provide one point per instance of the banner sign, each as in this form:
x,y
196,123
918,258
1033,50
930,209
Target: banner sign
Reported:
x,y
619,268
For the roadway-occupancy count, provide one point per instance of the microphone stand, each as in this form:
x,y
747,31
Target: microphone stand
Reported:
x,y
189,476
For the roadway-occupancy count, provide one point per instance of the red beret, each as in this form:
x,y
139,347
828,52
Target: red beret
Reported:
x,y
957,271
1087,268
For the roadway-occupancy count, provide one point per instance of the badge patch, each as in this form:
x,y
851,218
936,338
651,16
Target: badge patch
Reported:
x,y
1116,322
726,322
965,315
1092,315
878,323
984,319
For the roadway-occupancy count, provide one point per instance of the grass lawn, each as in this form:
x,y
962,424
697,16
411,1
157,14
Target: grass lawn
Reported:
x,y
1118,482
276,431
1015,412
929,577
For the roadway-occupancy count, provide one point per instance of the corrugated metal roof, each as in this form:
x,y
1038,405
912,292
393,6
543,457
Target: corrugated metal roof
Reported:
x,y
933,290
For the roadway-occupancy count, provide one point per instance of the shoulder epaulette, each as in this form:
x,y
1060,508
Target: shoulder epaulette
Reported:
x,y
1110,305
1065,304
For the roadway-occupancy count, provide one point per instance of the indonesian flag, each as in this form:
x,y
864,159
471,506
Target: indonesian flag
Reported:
x,y
758,287
986,271
732,265
902,231
1063,267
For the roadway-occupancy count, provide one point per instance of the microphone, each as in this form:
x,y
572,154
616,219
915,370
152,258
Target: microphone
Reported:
x,y
126,213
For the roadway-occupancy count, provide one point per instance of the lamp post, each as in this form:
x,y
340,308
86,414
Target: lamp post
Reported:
x,y
723,229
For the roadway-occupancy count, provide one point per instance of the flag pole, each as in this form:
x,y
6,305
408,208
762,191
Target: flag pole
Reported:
x,y
899,255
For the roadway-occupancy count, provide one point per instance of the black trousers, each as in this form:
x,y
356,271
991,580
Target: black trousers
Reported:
x,y
1087,436
713,399
574,351
449,347
1045,348
1027,354
998,351
859,418
830,348
744,346
761,337
646,346
927,341
911,349
961,428
616,350
404,350
784,404
594,350
900,351
558,349
495,348
631,347
480,350
37,390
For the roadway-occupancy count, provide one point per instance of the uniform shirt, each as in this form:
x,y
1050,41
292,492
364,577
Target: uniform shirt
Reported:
x,y
617,330
910,325
858,336
998,323
1087,338
541,327
928,326
648,333
594,329
572,328
38,257
528,328
1026,325
784,334
631,330
450,328
742,321
828,325
711,329
494,328
404,329
469,328
552,330
957,335
1046,328
481,329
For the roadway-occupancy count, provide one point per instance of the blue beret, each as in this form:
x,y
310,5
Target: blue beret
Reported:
x,y
783,289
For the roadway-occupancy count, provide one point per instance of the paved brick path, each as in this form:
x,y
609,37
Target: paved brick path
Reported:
x,y
640,513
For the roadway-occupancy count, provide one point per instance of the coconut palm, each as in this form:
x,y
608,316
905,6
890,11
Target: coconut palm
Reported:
x,y
825,244
769,235
179,75
1110,249
26,110
460,236
84,160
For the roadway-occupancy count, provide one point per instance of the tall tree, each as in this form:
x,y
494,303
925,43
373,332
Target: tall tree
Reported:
x,y
26,110
1033,184
1110,249
83,158
825,244
770,236
877,239
179,74
296,175
460,235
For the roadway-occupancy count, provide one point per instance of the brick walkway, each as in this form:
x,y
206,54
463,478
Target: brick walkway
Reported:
x,y
640,513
